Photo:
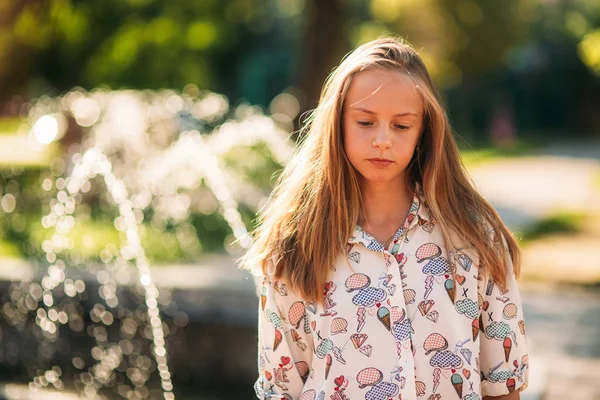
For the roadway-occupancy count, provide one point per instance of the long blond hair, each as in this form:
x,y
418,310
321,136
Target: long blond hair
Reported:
x,y
316,202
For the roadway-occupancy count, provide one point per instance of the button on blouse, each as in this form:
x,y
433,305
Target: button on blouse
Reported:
x,y
389,328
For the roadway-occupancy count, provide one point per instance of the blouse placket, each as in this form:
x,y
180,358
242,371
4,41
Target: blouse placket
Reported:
x,y
400,324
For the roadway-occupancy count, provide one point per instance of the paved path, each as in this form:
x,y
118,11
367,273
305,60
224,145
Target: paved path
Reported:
x,y
563,324
562,329
526,189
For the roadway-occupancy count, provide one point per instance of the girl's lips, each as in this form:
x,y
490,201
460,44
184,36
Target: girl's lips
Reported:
x,y
380,163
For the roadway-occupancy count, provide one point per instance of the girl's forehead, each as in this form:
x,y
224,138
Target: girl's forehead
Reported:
x,y
383,91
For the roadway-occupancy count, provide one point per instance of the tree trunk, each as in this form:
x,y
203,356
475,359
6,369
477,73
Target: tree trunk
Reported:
x,y
323,46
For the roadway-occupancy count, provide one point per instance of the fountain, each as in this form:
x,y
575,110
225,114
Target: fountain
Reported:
x,y
158,154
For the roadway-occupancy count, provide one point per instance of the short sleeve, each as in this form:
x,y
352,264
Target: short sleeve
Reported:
x,y
285,343
504,359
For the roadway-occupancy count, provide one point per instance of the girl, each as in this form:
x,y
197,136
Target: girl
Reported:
x,y
384,274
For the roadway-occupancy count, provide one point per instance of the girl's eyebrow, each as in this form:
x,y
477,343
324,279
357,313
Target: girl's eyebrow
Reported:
x,y
395,115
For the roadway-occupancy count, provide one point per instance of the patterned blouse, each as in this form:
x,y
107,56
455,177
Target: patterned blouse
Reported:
x,y
389,329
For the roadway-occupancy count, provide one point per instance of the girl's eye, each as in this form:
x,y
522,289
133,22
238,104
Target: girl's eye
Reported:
x,y
367,123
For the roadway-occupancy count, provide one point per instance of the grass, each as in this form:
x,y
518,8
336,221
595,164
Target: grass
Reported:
x,y
563,249
10,126
479,155
15,149
561,222
15,152
90,237
9,250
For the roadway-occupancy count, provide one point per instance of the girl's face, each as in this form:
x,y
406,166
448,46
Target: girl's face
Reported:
x,y
382,119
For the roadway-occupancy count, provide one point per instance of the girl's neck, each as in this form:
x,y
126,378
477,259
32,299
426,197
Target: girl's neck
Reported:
x,y
386,205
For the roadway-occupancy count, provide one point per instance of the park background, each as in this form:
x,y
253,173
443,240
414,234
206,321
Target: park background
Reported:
x,y
190,108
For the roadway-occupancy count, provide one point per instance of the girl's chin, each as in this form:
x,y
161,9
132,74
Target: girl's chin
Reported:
x,y
370,177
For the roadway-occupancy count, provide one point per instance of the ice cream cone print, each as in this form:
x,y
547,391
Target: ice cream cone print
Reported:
x,y
263,301
507,346
457,382
510,385
328,362
522,326
449,285
278,339
475,328
384,316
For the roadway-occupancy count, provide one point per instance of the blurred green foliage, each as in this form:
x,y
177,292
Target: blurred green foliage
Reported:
x,y
9,249
255,164
133,43
472,156
538,58
10,126
22,234
556,223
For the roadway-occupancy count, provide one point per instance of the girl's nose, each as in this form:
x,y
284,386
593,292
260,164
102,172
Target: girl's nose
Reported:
x,y
382,137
